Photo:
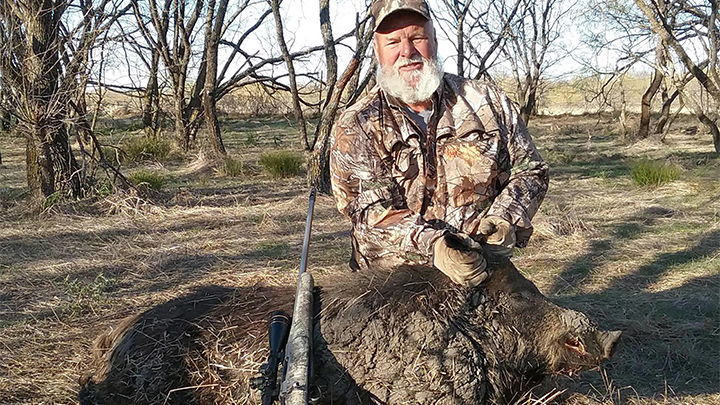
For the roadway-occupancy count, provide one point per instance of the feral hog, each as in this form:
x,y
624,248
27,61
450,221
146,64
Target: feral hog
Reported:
x,y
398,336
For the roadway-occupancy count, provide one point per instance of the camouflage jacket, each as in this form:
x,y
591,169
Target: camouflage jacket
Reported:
x,y
403,188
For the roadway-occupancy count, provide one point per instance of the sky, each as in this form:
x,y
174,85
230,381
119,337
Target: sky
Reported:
x,y
302,30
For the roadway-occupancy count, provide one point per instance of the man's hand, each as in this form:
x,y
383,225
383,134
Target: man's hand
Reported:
x,y
461,259
499,235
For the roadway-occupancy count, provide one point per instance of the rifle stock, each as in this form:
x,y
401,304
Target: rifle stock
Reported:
x,y
298,352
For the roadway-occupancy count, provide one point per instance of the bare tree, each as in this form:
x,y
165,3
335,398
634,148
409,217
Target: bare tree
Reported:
x,y
478,29
45,49
213,30
176,49
647,97
532,48
291,72
696,23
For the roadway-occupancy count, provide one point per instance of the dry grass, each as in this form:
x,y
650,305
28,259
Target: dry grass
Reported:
x,y
646,261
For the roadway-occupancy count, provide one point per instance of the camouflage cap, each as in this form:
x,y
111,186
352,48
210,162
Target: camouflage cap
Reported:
x,y
383,8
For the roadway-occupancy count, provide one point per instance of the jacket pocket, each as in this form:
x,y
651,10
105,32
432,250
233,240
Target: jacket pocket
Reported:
x,y
470,171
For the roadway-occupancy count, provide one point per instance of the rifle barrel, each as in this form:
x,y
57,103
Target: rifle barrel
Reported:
x,y
294,389
306,239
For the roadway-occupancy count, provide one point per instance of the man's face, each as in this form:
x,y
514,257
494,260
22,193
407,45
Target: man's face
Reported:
x,y
404,34
406,50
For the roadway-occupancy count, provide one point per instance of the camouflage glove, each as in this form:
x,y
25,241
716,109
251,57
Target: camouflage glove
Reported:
x,y
460,258
499,235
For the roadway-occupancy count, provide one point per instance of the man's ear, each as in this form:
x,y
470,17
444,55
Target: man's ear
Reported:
x,y
375,47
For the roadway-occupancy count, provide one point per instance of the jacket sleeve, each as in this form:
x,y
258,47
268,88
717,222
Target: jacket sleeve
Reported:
x,y
525,189
366,193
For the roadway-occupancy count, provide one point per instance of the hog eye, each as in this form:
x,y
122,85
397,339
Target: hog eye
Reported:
x,y
574,342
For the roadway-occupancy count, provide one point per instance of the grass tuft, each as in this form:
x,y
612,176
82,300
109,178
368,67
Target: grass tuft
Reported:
x,y
139,149
282,163
150,179
232,167
51,200
653,174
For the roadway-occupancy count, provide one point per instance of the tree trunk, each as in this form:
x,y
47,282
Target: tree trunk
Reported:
x,y
527,94
151,100
460,38
212,40
529,106
5,120
291,73
182,134
39,170
665,113
318,166
646,103
710,124
330,54
623,112
51,165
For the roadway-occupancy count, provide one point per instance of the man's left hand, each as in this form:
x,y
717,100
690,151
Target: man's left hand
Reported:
x,y
499,235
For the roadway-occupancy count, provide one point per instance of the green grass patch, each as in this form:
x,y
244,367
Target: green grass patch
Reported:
x,y
80,294
282,163
51,200
139,149
232,167
558,157
147,178
653,174
103,187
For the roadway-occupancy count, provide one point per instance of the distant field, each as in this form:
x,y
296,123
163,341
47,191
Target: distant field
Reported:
x,y
641,259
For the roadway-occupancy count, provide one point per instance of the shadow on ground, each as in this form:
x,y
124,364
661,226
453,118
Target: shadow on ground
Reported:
x,y
671,337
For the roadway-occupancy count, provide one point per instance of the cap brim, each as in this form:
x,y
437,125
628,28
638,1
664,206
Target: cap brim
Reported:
x,y
383,18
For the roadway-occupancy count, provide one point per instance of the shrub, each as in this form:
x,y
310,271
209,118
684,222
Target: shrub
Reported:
x,y
231,167
153,180
139,149
282,163
653,174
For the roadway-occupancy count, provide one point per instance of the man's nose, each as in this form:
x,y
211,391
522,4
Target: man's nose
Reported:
x,y
407,49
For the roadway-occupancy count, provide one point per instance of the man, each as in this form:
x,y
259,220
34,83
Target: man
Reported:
x,y
429,165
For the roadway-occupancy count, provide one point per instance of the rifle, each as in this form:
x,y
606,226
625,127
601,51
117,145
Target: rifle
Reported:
x,y
291,346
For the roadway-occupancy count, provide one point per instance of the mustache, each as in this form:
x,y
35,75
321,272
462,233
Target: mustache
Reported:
x,y
403,61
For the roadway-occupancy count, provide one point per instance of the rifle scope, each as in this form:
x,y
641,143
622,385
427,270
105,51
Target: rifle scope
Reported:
x,y
278,330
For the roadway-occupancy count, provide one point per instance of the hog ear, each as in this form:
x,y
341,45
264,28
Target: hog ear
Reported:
x,y
609,342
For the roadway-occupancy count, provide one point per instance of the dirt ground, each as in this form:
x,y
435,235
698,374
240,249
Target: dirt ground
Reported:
x,y
643,260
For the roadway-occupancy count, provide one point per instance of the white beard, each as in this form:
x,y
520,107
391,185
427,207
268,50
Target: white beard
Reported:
x,y
427,80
